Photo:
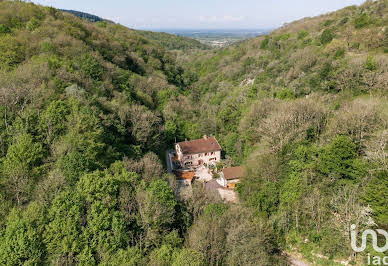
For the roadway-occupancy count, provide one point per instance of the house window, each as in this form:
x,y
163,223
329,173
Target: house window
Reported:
x,y
211,153
205,154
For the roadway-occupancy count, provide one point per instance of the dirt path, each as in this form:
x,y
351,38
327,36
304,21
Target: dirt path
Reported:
x,y
295,259
297,262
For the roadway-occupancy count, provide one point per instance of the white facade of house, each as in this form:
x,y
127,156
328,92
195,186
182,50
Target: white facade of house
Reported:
x,y
226,183
197,159
230,176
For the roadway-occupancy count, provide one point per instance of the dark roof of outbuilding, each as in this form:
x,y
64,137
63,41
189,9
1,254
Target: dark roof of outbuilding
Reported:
x,y
206,144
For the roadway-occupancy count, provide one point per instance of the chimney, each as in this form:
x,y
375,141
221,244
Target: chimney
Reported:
x,y
186,140
205,137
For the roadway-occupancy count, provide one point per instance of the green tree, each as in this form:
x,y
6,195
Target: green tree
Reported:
x,y
339,160
327,36
21,166
130,256
376,195
362,21
63,235
52,122
21,240
187,257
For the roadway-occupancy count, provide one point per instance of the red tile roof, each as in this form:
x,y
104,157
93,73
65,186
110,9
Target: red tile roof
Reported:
x,y
233,172
206,144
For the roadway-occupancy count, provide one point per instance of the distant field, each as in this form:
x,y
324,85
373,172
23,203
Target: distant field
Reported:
x,y
217,38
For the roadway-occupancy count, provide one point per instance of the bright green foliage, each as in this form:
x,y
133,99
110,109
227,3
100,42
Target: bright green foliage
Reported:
x,y
157,205
52,122
290,192
215,209
106,230
327,36
130,256
370,63
21,241
285,94
63,234
32,24
162,256
188,257
21,166
11,52
170,130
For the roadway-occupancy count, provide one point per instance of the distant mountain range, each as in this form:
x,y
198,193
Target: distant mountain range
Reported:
x,y
83,15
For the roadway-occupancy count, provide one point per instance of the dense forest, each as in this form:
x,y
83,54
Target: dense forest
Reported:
x,y
83,15
87,110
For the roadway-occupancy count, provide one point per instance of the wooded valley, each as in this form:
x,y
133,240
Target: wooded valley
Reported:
x,y
88,109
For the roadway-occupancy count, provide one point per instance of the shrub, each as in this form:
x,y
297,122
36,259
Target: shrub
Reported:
x,y
344,21
4,29
327,36
285,94
264,43
340,53
370,63
328,22
362,21
302,34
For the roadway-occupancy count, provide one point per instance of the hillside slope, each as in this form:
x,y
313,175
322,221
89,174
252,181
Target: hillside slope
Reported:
x,y
82,123
168,41
305,110
86,108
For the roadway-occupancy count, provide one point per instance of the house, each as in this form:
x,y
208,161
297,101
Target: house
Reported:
x,y
229,177
198,152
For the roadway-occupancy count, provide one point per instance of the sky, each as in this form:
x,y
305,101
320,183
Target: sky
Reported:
x,y
202,14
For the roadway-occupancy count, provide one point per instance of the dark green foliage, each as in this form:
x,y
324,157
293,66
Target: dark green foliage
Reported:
x,y
91,67
327,36
83,15
339,160
328,22
264,43
362,21
376,195
344,21
73,165
340,53
4,29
